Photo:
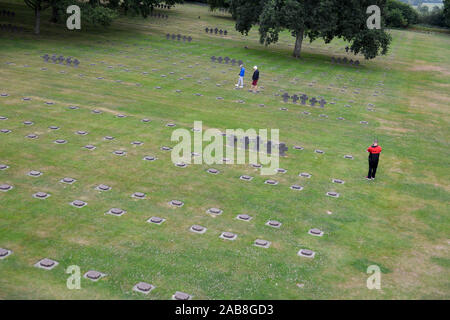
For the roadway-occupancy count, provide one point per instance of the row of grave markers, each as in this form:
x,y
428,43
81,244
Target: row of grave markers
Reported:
x,y
226,60
11,28
7,13
178,37
162,6
61,59
303,99
345,61
159,15
216,30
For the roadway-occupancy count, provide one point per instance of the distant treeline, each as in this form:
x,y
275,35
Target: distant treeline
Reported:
x,y
401,15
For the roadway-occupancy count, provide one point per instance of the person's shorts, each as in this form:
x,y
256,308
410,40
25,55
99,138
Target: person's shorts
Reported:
x,y
255,82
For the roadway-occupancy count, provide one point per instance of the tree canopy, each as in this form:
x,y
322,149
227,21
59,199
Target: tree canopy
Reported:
x,y
312,19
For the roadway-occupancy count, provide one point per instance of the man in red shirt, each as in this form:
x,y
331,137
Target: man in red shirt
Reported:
x,y
374,155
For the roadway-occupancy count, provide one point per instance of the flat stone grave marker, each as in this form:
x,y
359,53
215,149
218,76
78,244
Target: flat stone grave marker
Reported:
x,y
156,220
5,131
94,275
197,229
273,223
244,217
213,171
32,136
271,182
41,195
176,203
347,156
305,175
5,187
119,153
46,264
3,166
103,187
262,243
4,253
78,203
138,195
34,173
246,178
338,181
67,180
116,212
143,287
306,253
296,187
315,232
181,296
228,236
333,194
214,211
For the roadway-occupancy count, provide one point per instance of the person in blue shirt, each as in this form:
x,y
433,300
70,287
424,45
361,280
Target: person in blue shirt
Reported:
x,y
240,83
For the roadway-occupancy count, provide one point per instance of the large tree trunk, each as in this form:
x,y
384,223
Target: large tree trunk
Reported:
x,y
298,44
37,14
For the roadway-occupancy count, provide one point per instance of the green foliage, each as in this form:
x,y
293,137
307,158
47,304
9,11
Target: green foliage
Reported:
x,y
436,17
399,14
327,19
446,12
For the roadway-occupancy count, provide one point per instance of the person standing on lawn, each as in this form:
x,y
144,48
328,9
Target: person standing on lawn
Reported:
x,y
240,83
374,155
255,79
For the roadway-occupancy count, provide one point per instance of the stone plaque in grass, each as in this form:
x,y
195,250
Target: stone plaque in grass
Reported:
x,y
228,236
34,173
156,220
89,147
46,264
53,128
5,187
103,187
3,166
4,253
214,211
319,151
78,203
108,138
3,118
181,165
197,229
170,124
262,243
181,296
137,143
138,195
273,223
116,212
296,187
315,232
81,132
145,120
143,287
281,170
298,148
28,123
305,175
213,171
121,115
333,194
96,111
246,178
32,136
338,181
94,275
271,182
73,108
165,148
149,158
119,153
364,122
68,180
176,203
244,217
4,95
41,195
306,253
256,165
348,156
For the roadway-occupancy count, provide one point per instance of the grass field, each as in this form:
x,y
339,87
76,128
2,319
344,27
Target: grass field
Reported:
x,y
399,222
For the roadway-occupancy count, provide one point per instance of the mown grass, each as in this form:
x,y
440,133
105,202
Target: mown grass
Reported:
x,y
399,222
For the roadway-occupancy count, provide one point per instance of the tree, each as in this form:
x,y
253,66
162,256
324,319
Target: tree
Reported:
x,y
447,12
38,6
399,14
313,19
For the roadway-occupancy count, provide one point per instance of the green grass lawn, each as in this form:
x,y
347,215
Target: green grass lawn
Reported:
x,y
399,222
